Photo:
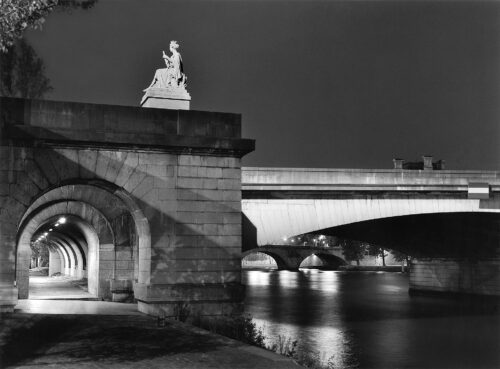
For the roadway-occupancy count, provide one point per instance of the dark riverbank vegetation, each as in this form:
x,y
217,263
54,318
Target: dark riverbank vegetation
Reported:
x,y
244,329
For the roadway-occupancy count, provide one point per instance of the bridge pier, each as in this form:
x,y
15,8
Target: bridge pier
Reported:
x,y
455,276
155,195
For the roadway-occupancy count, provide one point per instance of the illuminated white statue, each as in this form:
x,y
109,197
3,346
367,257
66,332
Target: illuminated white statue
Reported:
x,y
168,88
172,76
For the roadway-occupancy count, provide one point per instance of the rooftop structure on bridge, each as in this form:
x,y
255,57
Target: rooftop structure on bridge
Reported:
x,y
427,163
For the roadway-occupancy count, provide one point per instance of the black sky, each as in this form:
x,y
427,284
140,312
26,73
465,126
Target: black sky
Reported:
x,y
319,83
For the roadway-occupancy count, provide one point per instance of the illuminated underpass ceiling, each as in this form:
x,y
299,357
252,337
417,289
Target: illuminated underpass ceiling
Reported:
x,y
429,235
64,234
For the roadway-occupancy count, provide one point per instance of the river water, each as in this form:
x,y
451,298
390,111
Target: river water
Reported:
x,y
368,320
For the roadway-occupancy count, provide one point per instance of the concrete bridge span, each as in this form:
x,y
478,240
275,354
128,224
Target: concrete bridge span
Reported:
x,y
449,219
283,202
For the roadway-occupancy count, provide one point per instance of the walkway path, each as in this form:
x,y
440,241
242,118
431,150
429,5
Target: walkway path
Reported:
x,y
76,334
61,287
110,341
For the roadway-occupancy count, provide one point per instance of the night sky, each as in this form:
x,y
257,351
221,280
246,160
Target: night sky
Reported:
x,y
335,84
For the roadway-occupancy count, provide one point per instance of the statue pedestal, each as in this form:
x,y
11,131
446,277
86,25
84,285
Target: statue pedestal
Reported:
x,y
162,98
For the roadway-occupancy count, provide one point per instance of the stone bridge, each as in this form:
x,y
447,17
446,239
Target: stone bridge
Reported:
x,y
145,203
290,257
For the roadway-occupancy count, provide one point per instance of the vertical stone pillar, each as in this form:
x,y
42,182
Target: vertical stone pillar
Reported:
x,y
196,257
462,276
10,208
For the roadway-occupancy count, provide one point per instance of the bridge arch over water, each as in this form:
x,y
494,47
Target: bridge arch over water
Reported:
x,y
291,257
439,216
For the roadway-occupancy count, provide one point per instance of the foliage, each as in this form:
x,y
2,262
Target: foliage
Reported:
x,y
22,73
241,328
353,250
18,15
284,346
182,311
378,251
310,239
244,329
40,250
399,256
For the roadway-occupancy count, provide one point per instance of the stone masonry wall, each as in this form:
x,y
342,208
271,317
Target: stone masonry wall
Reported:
x,y
196,241
456,276
173,175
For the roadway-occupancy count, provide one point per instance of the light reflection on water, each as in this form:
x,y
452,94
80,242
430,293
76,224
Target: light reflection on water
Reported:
x,y
368,320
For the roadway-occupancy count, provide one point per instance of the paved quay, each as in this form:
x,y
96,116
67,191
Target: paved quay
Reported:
x,y
121,341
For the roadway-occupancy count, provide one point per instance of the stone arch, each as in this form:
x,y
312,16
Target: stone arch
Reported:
x,y
281,264
116,201
77,249
56,261
90,222
329,260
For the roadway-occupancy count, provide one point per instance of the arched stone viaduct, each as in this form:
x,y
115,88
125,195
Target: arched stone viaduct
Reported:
x,y
151,201
290,258
449,219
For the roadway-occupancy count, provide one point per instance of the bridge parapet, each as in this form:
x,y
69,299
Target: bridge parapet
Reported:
x,y
400,180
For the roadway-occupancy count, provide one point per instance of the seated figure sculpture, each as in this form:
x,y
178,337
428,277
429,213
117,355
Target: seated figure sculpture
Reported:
x,y
168,88
172,76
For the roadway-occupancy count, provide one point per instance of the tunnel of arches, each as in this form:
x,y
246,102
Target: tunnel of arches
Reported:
x,y
90,234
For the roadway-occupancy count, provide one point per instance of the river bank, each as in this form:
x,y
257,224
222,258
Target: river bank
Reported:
x,y
134,341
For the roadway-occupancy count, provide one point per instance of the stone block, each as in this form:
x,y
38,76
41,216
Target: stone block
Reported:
x,y
212,161
66,162
210,183
187,171
144,187
229,195
231,173
36,175
229,184
229,229
8,297
210,195
188,182
116,161
184,194
44,162
165,182
189,160
189,229
214,172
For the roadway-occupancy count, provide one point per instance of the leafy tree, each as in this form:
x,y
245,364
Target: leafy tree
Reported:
x,y
18,15
40,252
401,257
22,73
353,250
376,250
